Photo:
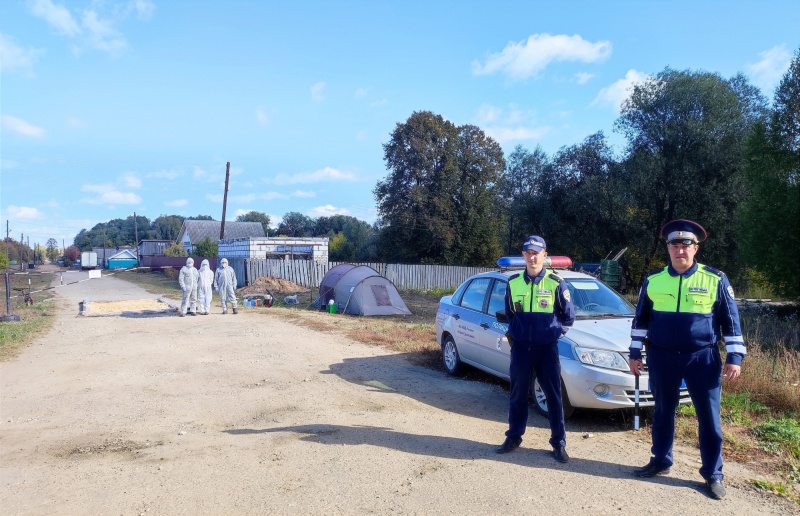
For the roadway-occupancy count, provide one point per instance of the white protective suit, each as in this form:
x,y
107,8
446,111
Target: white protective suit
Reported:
x,y
205,282
187,279
225,283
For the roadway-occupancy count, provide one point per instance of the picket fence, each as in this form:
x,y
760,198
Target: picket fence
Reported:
x,y
309,274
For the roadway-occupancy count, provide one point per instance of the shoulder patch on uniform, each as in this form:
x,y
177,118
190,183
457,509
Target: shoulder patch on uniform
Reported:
x,y
712,270
556,277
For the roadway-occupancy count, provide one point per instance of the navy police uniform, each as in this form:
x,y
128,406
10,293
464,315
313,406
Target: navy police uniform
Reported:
x,y
539,310
682,317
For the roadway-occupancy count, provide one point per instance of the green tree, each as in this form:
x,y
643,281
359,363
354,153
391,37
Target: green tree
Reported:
x,y
295,224
438,203
519,191
52,249
256,216
167,227
338,248
206,247
175,250
771,216
686,134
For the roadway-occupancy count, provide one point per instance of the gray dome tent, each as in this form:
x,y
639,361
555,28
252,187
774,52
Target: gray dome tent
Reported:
x,y
360,290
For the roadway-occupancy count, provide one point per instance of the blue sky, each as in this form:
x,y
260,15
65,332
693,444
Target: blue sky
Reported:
x,y
114,107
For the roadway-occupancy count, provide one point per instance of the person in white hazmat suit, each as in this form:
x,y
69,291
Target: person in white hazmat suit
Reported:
x,y
187,279
205,283
225,284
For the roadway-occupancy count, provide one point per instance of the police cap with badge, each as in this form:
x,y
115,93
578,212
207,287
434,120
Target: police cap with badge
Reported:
x,y
684,232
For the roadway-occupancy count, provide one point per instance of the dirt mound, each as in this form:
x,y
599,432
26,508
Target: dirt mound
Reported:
x,y
274,286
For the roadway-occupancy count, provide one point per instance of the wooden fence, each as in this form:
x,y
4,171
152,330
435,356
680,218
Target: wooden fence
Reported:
x,y
309,274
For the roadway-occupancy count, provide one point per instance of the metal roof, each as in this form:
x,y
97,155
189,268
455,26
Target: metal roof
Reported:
x,y
199,229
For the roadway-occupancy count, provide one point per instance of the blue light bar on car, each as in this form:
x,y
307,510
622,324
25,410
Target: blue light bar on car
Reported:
x,y
518,262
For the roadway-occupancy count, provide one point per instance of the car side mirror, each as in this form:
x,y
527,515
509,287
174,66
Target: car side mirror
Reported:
x,y
501,316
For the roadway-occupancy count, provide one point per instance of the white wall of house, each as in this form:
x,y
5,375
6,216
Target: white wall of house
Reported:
x,y
255,248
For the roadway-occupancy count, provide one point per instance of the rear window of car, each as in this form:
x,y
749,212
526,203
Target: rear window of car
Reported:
x,y
475,293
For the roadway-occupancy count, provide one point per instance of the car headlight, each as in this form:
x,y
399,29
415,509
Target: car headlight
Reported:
x,y
602,358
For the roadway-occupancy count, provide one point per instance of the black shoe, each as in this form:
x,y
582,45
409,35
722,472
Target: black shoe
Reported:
x,y
192,313
509,445
651,470
715,489
560,453
234,311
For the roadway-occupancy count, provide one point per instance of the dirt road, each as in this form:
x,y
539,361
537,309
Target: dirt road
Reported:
x,y
248,414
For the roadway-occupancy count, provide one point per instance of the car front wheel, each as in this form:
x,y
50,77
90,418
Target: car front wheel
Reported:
x,y
540,399
450,359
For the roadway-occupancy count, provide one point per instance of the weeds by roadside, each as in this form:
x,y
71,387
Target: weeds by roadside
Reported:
x,y
35,318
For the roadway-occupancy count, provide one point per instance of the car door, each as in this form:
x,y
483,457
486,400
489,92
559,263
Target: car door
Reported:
x,y
496,353
468,319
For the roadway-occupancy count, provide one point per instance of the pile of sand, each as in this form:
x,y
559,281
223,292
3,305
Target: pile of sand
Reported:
x,y
277,287
116,307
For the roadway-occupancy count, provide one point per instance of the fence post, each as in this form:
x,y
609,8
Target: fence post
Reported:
x,y
8,317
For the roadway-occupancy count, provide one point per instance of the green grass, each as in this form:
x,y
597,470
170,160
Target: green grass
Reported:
x,y
156,282
35,319
781,434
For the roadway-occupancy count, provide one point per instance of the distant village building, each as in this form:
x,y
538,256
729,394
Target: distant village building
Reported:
x,y
104,254
124,259
194,231
153,247
283,248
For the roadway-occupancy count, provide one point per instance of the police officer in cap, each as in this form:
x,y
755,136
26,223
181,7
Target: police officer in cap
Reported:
x,y
684,310
539,311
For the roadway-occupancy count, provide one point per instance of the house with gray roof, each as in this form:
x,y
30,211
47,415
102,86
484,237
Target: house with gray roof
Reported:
x,y
194,231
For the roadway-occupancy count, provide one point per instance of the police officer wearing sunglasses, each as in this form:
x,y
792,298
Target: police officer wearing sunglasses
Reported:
x,y
684,310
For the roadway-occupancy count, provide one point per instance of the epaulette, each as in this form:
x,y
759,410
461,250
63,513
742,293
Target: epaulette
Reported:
x,y
713,270
556,277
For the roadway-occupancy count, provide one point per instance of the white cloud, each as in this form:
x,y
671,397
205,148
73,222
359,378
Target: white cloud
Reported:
x,y
166,174
76,123
303,194
202,174
57,16
92,28
102,34
318,91
615,94
513,125
19,126
768,71
328,211
23,212
524,59
131,181
583,77
107,194
261,116
177,203
324,174
13,57
362,92
144,9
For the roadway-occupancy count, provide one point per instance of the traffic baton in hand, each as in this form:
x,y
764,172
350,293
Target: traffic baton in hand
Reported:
x,y
636,404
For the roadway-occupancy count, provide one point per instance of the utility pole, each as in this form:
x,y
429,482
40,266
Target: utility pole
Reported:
x,y
136,236
225,200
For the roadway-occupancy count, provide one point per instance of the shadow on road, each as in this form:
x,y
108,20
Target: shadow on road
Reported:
x,y
476,395
454,448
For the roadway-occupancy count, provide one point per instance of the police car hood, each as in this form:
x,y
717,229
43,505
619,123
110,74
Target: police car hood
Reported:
x,y
612,333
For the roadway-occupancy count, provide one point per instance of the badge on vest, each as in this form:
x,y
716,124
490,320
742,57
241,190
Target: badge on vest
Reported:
x,y
544,303
698,289
544,292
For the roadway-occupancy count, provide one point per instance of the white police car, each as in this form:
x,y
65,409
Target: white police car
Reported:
x,y
594,353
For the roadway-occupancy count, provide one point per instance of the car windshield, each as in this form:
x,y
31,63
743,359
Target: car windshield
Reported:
x,y
594,299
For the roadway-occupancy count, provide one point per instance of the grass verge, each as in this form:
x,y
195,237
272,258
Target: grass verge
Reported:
x,y
35,319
